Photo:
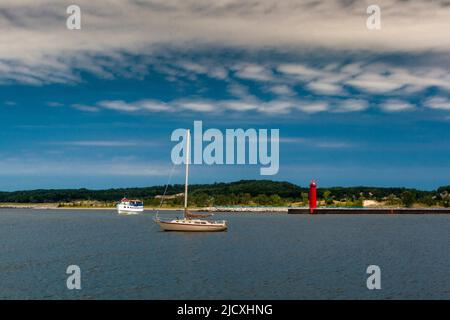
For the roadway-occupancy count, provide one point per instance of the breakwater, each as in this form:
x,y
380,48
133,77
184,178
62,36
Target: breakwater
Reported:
x,y
246,209
370,211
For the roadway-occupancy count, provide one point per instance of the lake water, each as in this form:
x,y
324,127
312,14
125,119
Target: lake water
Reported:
x,y
261,256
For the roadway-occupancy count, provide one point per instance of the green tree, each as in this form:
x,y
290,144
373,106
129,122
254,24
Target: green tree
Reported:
x,y
262,200
408,198
245,199
305,198
201,200
359,202
391,200
327,197
429,200
276,200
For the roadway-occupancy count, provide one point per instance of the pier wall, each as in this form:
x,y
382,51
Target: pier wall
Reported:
x,y
369,211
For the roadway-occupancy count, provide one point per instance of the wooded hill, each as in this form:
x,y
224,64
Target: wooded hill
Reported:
x,y
244,192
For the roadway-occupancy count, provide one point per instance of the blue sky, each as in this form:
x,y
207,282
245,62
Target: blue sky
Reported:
x,y
95,107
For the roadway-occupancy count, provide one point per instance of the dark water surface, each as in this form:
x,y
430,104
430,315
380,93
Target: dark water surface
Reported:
x,y
262,256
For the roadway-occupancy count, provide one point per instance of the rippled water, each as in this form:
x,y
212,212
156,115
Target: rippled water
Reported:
x,y
262,256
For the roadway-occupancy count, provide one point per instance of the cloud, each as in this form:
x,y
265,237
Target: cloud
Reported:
x,y
239,105
199,106
238,90
253,72
396,105
384,78
153,105
375,83
99,143
118,105
38,49
313,107
277,106
282,90
324,87
333,87
298,70
439,103
351,105
81,167
85,108
211,70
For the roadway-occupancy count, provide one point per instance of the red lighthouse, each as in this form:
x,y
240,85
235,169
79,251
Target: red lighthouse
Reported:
x,y
312,196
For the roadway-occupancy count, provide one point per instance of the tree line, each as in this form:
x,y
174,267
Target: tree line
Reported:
x,y
244,192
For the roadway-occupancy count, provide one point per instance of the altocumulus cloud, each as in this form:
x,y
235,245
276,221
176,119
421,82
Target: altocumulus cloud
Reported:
x,y
38,50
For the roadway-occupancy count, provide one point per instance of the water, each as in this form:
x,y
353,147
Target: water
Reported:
x,y
262,256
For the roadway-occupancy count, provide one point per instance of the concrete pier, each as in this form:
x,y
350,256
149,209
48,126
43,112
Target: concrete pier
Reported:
x,y
370,211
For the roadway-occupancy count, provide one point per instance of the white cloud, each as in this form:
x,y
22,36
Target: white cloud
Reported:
x,y
272,107
118,105
324,87
199,106
440,103
388,78
240,91
36,48
375,83
298,70
152,105
313,107
396,105
253,72
282,90
211,70
275,107
239,105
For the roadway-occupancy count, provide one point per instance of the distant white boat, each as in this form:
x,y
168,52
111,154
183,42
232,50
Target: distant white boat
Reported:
x,y
130,206
187,223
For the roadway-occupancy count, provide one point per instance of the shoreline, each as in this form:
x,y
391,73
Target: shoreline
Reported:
x,y
285,210
205,209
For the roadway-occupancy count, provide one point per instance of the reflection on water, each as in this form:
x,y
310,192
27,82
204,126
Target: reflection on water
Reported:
x,y
261,256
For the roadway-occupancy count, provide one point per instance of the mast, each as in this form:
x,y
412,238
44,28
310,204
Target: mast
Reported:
x,y
188,151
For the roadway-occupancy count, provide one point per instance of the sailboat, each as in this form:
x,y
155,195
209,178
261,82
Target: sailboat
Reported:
x,y
190,221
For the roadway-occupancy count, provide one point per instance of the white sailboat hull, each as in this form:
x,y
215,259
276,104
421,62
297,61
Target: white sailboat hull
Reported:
x,y
192,225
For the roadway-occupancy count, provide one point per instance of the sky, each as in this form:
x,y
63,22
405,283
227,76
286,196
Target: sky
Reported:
x,y
96,107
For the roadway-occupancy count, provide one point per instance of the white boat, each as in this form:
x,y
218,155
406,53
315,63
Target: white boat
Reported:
x,y
188,222
130,206
192,225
